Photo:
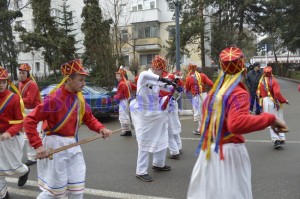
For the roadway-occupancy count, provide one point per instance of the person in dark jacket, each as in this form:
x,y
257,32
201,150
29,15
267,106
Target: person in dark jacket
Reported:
x,y
252,80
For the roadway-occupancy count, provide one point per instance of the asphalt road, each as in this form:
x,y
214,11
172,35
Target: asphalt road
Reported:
x,y
111,163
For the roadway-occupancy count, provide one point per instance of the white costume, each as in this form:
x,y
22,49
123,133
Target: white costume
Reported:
x,y
11,153
51,172
124,115
269,107
150,122
208,175
174,127
31,154
197,106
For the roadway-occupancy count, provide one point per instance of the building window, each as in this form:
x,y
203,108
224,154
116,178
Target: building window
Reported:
x,y
152,5
124,35
140,6
20,24
146,59
123,9
134,8
172,31
18,4
37,66
148,31
21,46
171,6
126,60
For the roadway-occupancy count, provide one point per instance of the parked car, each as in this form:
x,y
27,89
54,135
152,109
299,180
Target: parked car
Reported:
x,y
100,100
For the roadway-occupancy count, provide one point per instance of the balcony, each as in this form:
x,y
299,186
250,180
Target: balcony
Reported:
x,y
148,44
145,15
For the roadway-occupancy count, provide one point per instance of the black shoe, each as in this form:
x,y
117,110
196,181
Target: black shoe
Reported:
x,y
146,177
277,144
127,133
6,195
180,152
165,168
174,157
282,142
23,179
30,162
195,132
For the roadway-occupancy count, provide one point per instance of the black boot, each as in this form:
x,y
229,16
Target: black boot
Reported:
x,y
6,196
23,179
127,133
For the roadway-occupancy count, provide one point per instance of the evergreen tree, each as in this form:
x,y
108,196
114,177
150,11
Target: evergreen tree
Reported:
x,y
45,36
56,44
8,49
98,45
67,42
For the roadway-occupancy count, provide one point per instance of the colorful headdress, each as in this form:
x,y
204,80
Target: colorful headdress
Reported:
x,y
121,71
268,71
25,67
159,63
4,76
231,60
192,67
3,73
73,67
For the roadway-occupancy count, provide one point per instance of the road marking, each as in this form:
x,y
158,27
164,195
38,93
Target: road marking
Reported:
x,y
258,141
93,192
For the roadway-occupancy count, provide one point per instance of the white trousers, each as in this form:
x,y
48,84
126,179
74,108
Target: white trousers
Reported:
x,y
3,187
197,106
124,115
175,143
226,179
269,107
159,159
65,174
31,154
10,160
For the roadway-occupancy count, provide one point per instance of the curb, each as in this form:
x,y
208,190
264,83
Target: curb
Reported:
x,y
288,79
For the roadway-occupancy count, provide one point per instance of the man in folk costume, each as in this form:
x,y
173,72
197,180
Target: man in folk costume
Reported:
x,y
271,99
31,97
11,140
169,103
223,168
123,96
149,120
63,111
195,85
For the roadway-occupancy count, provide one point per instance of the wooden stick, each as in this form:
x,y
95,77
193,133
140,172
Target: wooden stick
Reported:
x,y
51,151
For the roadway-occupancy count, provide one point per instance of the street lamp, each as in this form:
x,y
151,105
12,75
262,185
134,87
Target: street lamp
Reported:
x,y
177,4
266,54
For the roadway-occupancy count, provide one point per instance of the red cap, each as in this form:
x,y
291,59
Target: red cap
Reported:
x,y
268,70
121,71
192,67
3,73
159,63
25,67
73,67
232,60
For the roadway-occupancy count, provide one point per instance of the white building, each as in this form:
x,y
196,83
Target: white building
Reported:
x,y
35,58
145,27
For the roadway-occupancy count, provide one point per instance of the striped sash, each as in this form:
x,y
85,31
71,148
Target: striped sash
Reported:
x,y
5,102
66,117
25,88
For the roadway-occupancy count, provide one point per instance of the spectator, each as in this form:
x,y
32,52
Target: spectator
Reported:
x,y
252,80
